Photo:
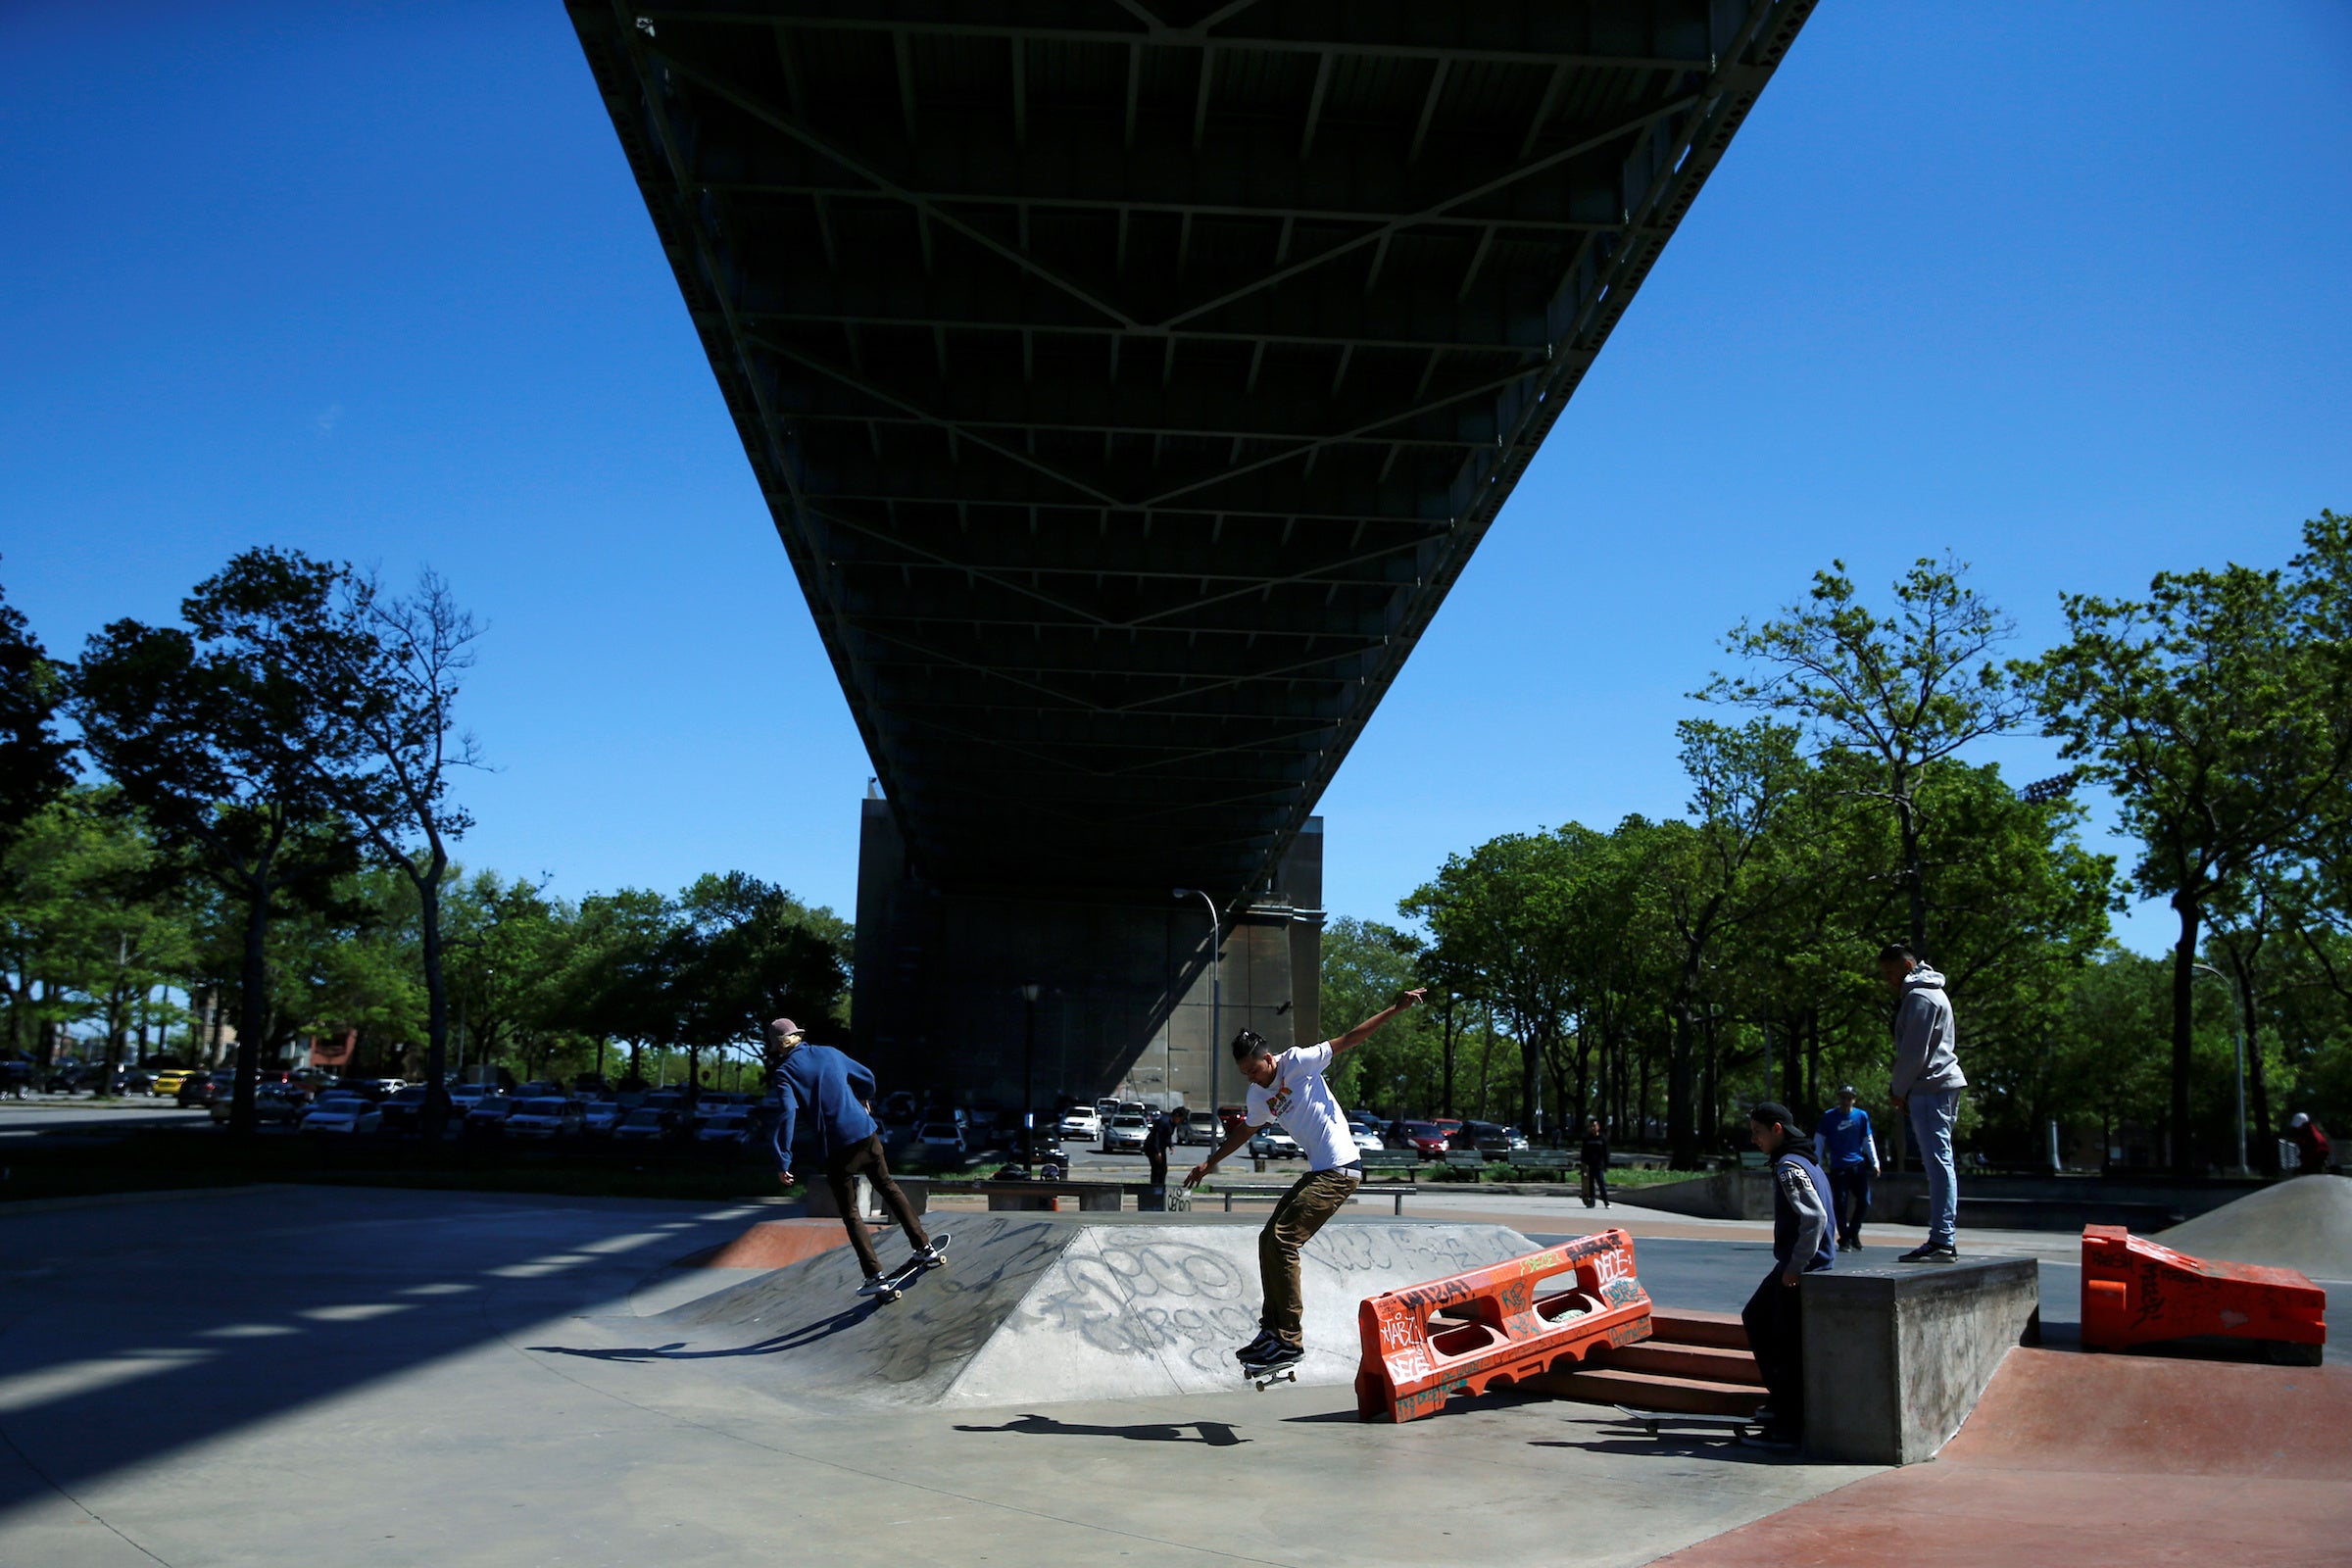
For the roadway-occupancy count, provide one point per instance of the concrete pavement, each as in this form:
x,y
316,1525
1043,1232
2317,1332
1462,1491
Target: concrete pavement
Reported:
x,y
293,1375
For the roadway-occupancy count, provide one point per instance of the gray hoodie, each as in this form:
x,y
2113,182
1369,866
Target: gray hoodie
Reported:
x,y
1926,1045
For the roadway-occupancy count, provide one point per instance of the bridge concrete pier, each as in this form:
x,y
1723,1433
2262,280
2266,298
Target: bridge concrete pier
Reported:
x,y
1124,981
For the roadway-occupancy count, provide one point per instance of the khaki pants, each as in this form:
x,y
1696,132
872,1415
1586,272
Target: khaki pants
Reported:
x,y
866,1160
1313,1198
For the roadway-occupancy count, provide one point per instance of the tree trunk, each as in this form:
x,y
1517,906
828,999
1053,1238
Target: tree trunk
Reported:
x,y
433,1115
253,1009
1446,1098
2185,974
2262,1143
1915,883
1681,1142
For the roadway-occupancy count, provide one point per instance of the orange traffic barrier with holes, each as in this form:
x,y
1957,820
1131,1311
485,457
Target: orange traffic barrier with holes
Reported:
x,y
2135,1292
1427,1343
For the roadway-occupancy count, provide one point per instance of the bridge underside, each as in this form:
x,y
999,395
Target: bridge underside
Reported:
x,y
1130,379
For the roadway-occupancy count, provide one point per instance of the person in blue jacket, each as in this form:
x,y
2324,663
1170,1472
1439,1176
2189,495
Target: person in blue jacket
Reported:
x,y
838,1092
1801,1244
1850,1155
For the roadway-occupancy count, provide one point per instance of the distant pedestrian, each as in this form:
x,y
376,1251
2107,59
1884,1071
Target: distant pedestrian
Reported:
x,y
1800,1246
1850,1156
1158,1136
2312,1147
1926,1087
1594,1158
838,1094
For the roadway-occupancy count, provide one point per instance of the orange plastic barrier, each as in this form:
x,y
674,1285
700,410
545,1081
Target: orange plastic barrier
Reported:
x,y
2135,1293
1426,1343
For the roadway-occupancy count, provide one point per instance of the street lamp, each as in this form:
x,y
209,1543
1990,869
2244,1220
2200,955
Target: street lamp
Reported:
x,y
1216,998
2208,968
1029,995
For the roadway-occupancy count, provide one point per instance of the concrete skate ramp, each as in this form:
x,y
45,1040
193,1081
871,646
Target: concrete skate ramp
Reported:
x,y
2304,1224
1032,1308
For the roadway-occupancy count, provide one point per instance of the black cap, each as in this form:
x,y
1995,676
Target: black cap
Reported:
x,y
1770,1113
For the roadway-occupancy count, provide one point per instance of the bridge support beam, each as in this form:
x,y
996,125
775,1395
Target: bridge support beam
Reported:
x,y
1124,984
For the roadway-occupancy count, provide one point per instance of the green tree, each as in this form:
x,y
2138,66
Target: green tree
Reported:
x,y
2224,733
222,746
1907,689
35,766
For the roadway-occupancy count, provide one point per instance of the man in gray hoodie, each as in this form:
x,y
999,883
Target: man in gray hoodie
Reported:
x,y
1926,1087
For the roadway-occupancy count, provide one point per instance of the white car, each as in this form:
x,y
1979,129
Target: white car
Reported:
x,y
1081,1123
1126,1133
941,1138
544,1118
1366,1140
342,1114
601,1116
1272,1143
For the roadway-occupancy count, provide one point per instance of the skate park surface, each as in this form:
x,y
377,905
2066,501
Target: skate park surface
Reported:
x,y
313,1375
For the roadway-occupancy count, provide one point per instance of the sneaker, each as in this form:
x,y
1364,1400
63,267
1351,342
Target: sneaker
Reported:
x,y
1931,1252
875,1285
1260,1348
933,1255
1280,1354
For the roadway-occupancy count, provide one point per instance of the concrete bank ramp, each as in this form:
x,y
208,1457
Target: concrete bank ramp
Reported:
x,y
1032,1308
2304,1223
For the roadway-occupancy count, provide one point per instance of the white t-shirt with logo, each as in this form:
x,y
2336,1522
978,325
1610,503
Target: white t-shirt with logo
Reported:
x,y
1304,1104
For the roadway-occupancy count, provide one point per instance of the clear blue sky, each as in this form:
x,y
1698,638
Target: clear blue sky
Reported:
x,y
2062,287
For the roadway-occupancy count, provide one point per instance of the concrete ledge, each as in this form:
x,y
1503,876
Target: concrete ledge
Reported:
x,y
1724,1195
1895,1357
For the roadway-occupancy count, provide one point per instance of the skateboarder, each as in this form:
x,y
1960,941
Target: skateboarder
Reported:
x,y
837,1091
1289,1088
2312,1147
1850,1155
1926,1086
1801,1244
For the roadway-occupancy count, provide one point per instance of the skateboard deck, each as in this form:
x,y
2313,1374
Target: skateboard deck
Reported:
x,y
895,1283
1740,1427
1262,1377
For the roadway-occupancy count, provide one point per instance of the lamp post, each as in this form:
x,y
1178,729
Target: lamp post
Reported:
x,y
1029,993
2208,968
1216,999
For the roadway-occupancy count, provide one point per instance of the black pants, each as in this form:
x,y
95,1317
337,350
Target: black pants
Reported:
x,y
1849,1196
1159,1165
842,1167
1775,1319
1595,1176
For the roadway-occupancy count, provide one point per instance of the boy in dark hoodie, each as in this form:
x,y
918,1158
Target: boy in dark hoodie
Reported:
x,y
1802,1241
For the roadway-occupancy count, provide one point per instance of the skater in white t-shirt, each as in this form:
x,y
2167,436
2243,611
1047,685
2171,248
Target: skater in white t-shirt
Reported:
x,y
1289,1088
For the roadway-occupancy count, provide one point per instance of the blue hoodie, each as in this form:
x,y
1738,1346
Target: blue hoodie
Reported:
x,y
830,1085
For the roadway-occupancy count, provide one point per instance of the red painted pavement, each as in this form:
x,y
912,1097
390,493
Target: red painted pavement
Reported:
x,y
2091,1460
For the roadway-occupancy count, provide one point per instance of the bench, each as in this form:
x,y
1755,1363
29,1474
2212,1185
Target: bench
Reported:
x,y
1464,1160
1093,1197
1399,1163
1270,1191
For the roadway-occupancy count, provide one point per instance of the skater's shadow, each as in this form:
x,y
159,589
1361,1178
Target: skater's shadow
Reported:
x,y
1217,1434
675,1350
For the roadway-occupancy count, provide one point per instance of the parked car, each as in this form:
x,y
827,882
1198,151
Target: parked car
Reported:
x,y
545,1116
598,1117
403,1109
1424,1138
1126,1133
489,1115
1106,1108
1366,1139
166,1081
1082,1123
464,1097
647,1124
203,1088
941,1139
348,1114
1272,1143
273,1107
1487,1138
727,1126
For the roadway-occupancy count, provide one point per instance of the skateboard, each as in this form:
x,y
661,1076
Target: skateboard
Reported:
x,y
1261,1378
1740,1427
894,1284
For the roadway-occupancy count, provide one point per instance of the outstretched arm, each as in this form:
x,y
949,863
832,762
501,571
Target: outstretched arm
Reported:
x,y
1342,1043
1234,1139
